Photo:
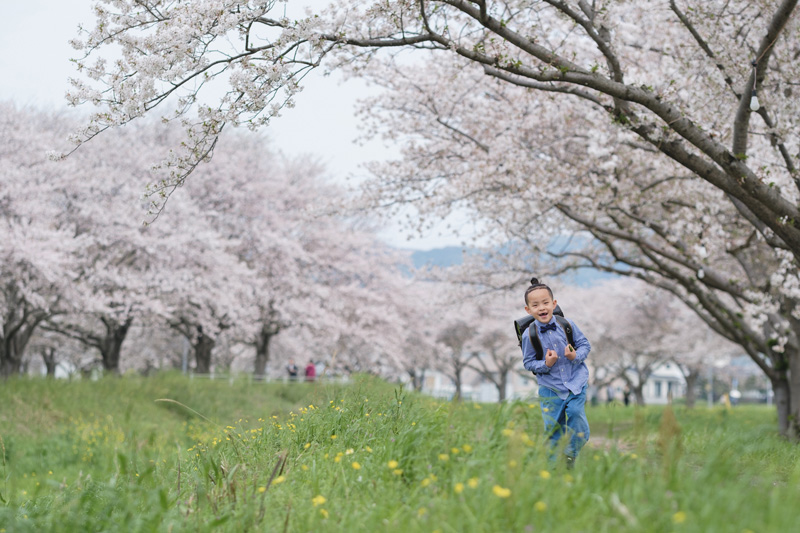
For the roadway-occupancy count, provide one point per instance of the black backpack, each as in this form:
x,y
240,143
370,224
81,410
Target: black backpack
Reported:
x,y
521,324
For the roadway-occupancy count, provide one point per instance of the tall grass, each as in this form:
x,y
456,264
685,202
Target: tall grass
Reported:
x,y
106,456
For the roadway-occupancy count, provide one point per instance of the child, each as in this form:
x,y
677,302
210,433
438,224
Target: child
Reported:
x,y
560,371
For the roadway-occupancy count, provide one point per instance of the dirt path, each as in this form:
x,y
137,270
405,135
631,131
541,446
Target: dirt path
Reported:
x,y
604,443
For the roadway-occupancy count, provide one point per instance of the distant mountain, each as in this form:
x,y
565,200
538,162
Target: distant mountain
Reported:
x,y
454,255
439,257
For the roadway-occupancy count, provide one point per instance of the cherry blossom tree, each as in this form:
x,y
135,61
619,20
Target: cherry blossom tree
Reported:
x,y
498,355
454,339
641,337
420,316
35,252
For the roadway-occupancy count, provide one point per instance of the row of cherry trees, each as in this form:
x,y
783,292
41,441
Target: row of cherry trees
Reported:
x,y
249,249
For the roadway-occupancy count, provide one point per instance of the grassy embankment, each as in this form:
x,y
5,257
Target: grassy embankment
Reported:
x,y
107,456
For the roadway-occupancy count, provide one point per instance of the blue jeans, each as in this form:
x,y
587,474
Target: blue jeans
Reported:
x,y
565,417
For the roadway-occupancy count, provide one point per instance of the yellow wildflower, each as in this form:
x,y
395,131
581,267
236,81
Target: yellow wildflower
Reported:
x,y
544,474
500,492
349,451
262,489
458,488
397,472
444,457
356,466
392,464
307,445
455,451
540,506
324,513
318,500
333,437
467,448
473,482
679,517
279,479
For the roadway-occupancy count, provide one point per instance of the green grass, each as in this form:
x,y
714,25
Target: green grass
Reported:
x,y
107,456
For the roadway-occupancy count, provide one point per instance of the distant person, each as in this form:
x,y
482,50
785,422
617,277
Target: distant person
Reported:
x,y
311,371
292,370
626,396
560,371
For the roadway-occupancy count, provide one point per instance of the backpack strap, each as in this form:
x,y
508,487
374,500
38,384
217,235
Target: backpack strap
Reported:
x,y
567,327
537,344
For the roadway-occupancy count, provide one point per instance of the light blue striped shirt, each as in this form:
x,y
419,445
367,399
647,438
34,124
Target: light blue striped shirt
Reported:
x,y
565,376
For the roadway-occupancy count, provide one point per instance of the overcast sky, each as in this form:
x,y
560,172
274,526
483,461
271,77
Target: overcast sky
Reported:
x,y
35,67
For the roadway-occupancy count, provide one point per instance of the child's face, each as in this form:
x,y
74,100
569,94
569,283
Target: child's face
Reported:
x,y
541,305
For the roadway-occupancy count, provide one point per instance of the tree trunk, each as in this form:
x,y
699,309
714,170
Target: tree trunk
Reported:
x,y
793,416
780,387
691,386
10,365
502,385
417,378
49,358
111,344
457,383
203,345
638,393
13,343
262,349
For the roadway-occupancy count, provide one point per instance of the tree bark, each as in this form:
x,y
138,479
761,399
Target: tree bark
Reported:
x,y
15,339
110,345
691,385
638,393
457,383
49,358
262,348
417,378
780,387
793,415
203,346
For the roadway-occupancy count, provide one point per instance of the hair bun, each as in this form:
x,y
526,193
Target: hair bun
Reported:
x,y
534,281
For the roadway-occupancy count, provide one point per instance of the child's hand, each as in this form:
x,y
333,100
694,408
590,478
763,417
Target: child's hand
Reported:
x,y
570,352
550,358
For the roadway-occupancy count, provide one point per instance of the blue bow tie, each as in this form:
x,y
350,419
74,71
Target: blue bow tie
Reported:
x,y
547,327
